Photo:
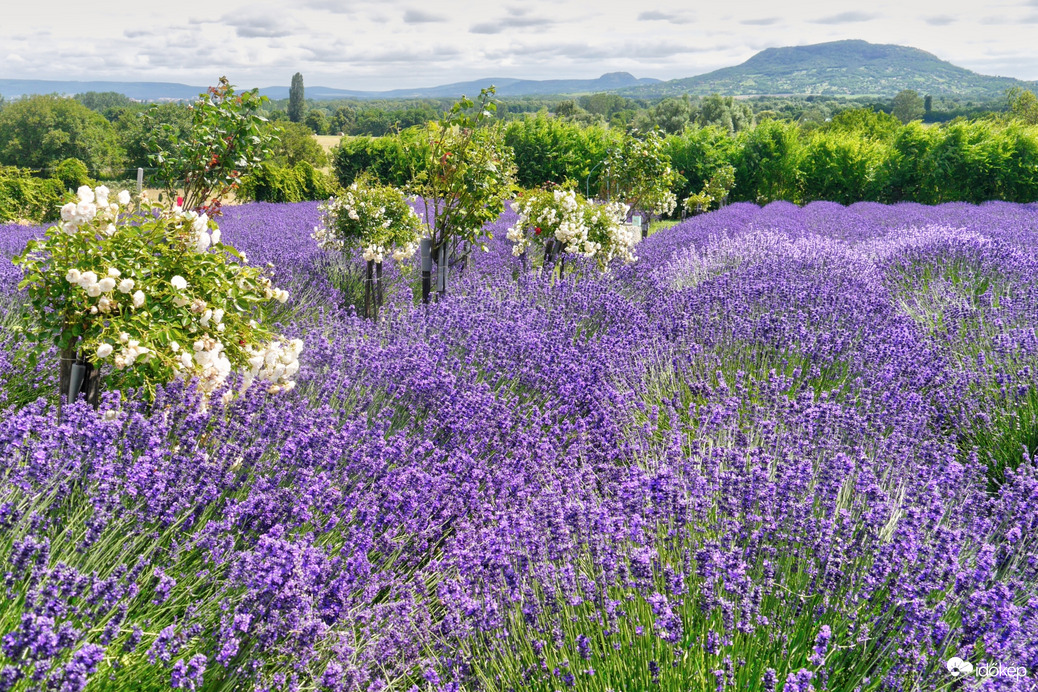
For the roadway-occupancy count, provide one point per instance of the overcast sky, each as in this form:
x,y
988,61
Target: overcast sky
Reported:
x,y
387,44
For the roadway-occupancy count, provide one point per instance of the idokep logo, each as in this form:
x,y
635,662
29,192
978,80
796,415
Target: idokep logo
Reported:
x,y
956,666
960,668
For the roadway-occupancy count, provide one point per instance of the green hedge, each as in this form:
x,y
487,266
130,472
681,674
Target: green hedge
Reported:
x,y
858,156
273,183
24,197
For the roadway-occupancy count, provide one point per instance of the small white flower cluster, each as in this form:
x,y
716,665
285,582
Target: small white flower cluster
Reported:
x,y
608,222
91,203
105,288
131,351
202,238
208,354
277,363
377,253
666,204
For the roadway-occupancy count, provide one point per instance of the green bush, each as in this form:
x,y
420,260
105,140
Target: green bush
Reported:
x,y
23,197
271,182
842,167
72,173
552,150
390,160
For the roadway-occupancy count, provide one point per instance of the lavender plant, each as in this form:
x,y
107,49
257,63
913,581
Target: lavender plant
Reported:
x,y
751,460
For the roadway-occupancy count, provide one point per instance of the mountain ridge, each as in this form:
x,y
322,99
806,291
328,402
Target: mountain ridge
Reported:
x,y
837,68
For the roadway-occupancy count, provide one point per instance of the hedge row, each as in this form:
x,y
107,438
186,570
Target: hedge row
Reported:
x,y
858,156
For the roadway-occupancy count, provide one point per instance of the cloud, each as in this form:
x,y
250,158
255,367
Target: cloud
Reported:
x,y
510,23
413,16
846,18
657,16
763,21
260,22
138,33
940,20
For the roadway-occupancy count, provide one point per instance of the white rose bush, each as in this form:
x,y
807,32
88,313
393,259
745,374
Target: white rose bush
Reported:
x,y
563,221
375,220
153,292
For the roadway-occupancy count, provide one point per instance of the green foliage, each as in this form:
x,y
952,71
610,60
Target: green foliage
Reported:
x,y
1023,103
225,140
317,122
550,150
725,112
468,174
106,103
908,106
671,115
38,131
27,198
274,182
393,160
162,126
293,143
842,166
768,164
72,173
153,288
715,189
296,99
637,172
696,154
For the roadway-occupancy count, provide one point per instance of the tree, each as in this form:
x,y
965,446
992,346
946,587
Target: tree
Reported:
x,y
1024,105
296,99
468,175
725,112
342,120
226,138
908,106
317,121
294,143
39,131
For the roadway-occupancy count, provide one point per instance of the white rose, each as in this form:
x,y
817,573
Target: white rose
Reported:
x,y
104,350
87,278
106,284
126,285
86,210
202,242
124,197
200,224
179,282
174,346
138,299
68,212
114,273
73,276
93,290
216,238
186,360
110,230
85,194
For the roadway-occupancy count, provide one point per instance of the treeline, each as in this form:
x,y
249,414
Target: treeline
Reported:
x,y
857,155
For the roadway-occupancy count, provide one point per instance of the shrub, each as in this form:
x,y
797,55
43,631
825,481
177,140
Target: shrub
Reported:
x,y
72,173
271,182
26,198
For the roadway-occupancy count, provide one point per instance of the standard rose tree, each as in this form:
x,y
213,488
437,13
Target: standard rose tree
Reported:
x,y
152,290
378,221
565,223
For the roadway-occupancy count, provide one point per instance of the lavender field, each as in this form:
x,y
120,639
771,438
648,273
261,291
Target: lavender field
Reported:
x,y
787,449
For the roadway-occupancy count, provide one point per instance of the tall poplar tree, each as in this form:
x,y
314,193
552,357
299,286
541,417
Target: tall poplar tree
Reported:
x,y
296,99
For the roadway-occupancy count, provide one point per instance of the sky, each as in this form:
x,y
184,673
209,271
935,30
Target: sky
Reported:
x,y
390,44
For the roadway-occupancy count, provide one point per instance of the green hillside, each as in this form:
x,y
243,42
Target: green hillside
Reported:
x,y
848,68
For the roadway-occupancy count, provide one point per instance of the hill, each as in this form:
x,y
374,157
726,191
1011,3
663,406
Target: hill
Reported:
x,y
851,68
166,91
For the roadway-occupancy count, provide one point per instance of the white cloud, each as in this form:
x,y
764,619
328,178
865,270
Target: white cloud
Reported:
x,y
387,44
